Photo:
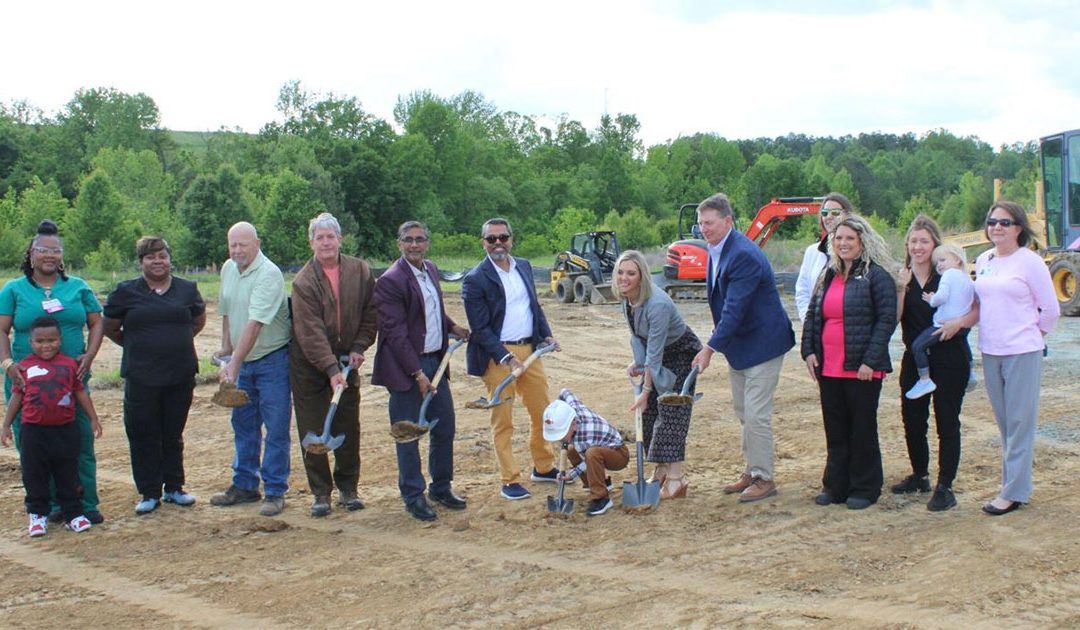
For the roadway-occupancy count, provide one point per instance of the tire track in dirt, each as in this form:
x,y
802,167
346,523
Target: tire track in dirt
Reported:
x,y
676,582
64,569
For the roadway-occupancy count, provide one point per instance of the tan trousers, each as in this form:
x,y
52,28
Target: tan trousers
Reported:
x,y
599,460
532,387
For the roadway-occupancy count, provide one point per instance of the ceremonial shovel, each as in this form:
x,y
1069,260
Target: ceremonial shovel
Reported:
x,y
642,495
683,398
496,396
321,444
557,504
408,431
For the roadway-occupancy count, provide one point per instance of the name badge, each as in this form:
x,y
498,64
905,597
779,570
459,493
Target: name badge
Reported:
x,y
52,306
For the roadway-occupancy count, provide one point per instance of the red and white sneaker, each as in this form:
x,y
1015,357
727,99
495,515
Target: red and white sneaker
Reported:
x,y
39,525
78,524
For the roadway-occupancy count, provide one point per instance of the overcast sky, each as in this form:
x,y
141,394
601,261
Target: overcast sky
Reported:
x,y
1003,71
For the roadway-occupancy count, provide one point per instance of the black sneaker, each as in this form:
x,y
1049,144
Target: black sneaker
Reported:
x,y
942,499
599,506
910,484
550,476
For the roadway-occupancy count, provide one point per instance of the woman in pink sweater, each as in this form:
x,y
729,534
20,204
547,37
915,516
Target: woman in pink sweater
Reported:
x,y
1015,308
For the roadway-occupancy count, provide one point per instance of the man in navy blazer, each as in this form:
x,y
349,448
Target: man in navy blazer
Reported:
x,y
753,332
413,337
507,324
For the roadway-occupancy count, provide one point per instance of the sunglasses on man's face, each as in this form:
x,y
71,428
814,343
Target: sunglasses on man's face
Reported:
x,y
1002,222
502,238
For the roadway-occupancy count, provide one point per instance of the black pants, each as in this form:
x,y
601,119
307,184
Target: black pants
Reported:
x,y
51,452
154,418
311,396
948,399
853,466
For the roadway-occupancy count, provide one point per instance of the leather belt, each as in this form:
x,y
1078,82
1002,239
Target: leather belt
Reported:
x,y
431,354
524,341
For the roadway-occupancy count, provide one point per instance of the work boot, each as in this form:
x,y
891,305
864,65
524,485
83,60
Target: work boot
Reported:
x,y
272,506
350,500
320,506
757,490
234,496
742,484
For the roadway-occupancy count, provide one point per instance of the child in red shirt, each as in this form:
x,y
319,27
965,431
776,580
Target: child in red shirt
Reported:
x,y
50,438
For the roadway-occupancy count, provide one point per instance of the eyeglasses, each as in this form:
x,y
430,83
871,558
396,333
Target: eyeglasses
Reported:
x,y
1002,222
409,240
59,251
502,238
832,212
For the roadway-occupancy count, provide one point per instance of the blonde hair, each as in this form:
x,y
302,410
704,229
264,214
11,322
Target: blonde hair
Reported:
x,y
636,257
952,250
874,249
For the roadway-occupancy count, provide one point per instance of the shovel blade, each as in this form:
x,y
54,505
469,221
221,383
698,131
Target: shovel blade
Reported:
x,y
479,403
643,495
426,424
560,506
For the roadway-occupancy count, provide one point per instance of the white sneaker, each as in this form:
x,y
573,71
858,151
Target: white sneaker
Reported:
x,y
39,525
921,388
78,524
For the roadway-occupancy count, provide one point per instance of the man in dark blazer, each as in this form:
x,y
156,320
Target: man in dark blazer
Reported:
x,y
413,337
753,332
507,324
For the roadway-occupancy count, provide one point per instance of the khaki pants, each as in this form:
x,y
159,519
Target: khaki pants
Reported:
x,y
752,392
533,389
599,460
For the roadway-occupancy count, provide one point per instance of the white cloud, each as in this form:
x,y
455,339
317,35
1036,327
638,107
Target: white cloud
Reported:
x,y
1001,71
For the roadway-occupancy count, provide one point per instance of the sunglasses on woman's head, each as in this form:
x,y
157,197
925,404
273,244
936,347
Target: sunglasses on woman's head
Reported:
x,y
502,238
1001,222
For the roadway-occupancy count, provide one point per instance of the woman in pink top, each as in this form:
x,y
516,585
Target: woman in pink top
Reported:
x,y
845,344
1015,308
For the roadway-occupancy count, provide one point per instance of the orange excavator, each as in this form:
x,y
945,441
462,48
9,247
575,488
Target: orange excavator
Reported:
x,y
688,257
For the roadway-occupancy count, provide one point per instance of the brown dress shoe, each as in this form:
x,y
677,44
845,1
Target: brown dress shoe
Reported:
x,y
759,489
742,484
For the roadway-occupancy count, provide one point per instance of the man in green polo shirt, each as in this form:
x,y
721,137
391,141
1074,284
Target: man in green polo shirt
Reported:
x,y
254,340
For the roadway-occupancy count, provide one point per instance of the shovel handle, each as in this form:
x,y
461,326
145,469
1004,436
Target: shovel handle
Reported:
x,y
638,429
689,382
345,369
457,342
540,350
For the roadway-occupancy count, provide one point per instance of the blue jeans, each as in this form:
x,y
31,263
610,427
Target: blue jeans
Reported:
x,y
406,406
266,382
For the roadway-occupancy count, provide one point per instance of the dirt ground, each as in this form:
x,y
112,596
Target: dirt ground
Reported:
x,y
705,561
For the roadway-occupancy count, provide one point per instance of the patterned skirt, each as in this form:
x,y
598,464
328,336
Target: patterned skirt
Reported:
x,y
665,426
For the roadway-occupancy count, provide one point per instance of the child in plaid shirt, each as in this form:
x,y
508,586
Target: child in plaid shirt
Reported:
x,y
598,446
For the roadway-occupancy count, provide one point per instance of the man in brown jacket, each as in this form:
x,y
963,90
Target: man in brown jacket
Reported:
x,y
333,317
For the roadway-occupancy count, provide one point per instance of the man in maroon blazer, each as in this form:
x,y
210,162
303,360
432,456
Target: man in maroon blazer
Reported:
x,y
413,337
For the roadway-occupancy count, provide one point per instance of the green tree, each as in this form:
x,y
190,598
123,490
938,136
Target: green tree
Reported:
x,y
635,229
98,215
209,207
290,207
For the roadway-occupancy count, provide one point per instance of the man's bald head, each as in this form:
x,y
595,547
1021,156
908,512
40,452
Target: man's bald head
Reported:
x,y
243,244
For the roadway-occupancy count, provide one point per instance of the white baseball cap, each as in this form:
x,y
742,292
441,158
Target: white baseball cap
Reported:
x,y
557,418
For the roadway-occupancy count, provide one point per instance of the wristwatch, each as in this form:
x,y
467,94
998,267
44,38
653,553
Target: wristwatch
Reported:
x,y
6,363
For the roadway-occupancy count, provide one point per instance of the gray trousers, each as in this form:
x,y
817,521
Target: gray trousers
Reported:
x,y
1012,384
752,392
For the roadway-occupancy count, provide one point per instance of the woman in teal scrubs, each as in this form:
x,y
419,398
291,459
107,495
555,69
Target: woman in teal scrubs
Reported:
x,y
47,290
